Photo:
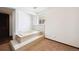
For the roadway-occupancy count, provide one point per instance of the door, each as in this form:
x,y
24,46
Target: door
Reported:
x,y
4,25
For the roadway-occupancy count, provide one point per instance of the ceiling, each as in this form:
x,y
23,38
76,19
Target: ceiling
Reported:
x,y
31,9
35,9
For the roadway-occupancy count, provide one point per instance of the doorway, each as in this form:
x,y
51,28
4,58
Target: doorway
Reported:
x,y
4,27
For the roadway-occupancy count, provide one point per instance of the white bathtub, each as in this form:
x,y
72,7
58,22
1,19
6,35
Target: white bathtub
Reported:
x,y
31,32
25,38
27,35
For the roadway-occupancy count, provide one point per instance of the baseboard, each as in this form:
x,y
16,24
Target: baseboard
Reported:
x,y
61,42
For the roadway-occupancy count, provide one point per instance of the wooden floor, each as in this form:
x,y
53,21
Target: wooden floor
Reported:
x,y
4,45
43,45
49,45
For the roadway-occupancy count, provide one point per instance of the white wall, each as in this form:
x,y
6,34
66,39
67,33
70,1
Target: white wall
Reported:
x,y
62,24
35,20
23,21
36,25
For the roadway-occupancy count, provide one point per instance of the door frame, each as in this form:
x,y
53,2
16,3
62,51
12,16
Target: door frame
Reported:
x,y
12,24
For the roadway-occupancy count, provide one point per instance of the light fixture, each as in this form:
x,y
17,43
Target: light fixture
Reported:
x,y
35,7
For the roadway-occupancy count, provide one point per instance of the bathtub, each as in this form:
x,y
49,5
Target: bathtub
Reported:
x,y
31,32
27,35
25,38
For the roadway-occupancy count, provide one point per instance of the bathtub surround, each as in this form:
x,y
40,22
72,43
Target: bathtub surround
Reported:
x,y
25,19
26,28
